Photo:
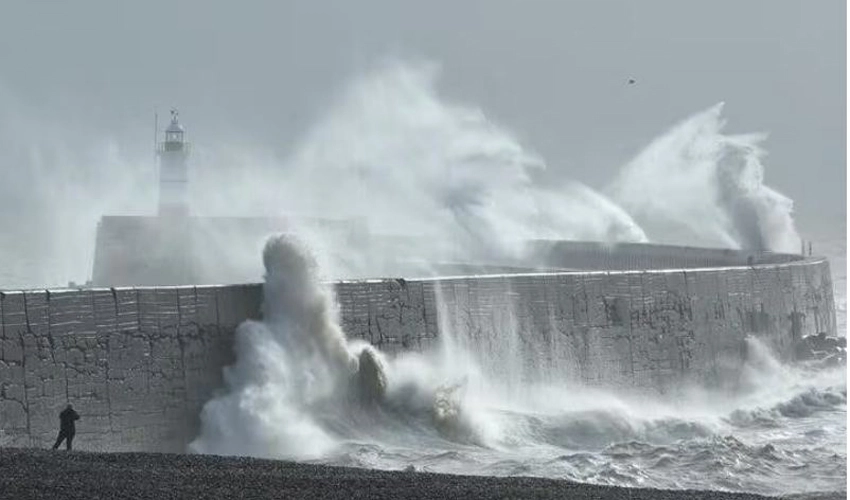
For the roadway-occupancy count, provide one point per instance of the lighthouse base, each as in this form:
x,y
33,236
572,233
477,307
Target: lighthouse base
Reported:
x,y
180,250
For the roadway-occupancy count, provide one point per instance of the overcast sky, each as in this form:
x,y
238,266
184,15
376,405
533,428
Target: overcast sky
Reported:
x,y
553,72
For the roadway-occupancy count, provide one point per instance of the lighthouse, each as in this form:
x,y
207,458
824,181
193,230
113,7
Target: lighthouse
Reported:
x,y
173,171
176,247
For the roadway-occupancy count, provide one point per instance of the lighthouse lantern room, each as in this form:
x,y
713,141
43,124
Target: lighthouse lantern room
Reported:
x,y
173,171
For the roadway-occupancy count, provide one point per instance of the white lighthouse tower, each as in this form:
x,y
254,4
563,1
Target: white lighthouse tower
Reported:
x,y
173,171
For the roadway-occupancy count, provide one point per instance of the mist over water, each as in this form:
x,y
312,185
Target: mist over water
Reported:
x,y
301,390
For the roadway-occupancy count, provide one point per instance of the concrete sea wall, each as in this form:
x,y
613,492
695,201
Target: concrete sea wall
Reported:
x,y
139,363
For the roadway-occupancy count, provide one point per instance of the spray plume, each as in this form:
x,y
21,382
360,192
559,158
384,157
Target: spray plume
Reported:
x,y
298,384
696,184
392,152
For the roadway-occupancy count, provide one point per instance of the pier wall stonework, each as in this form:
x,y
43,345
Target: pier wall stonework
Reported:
x,y
139,363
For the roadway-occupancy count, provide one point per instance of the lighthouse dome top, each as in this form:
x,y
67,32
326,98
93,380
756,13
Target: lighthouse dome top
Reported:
x,y
174,126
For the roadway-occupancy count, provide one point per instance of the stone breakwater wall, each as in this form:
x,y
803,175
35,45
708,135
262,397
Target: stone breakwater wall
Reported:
x,y
139,363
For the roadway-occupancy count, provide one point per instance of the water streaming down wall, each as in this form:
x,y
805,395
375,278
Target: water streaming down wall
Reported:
x,y
141,362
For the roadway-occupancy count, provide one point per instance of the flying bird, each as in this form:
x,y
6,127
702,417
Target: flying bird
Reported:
x,y
631,81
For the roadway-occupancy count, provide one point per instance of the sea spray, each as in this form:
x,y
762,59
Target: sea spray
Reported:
x,y
285,367
392,150
60,176
299,388
697,184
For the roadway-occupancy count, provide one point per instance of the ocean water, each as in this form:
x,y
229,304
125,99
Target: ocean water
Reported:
x,y
301,390
777,445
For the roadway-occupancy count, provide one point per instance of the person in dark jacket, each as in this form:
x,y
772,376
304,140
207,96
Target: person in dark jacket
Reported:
x,y
67,429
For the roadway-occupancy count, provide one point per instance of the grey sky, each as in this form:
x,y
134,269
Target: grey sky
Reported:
x,y
554,72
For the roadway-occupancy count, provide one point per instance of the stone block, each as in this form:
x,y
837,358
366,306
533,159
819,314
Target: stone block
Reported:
x,y
148,309
71,313
14,314
127,309
168,310
12,350
37,312
206,308
13,416
237,303
430,313
187,306
354,311
105,311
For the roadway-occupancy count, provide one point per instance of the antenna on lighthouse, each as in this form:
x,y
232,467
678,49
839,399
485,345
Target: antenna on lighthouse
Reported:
x,y
155,135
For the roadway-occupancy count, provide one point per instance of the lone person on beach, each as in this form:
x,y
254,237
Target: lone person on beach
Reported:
x,y
67,428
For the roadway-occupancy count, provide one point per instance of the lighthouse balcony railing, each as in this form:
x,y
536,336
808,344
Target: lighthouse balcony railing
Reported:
x,y
163,147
